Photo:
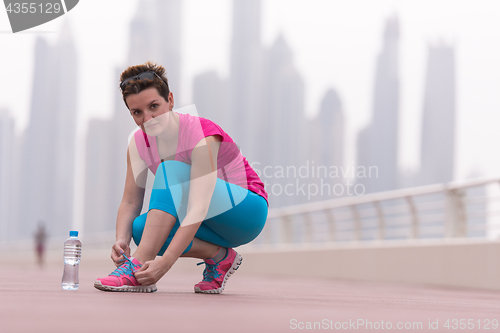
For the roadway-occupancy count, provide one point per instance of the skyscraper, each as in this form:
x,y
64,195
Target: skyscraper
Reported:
x,y
210,95
47,174
439,120
245,111
378,142
327,137
168,37
37,179
142,46
155,35
106,166
331,128
101,195
7,149
280,133
65,124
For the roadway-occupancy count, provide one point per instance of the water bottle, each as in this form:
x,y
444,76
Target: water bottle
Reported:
x,y
72,255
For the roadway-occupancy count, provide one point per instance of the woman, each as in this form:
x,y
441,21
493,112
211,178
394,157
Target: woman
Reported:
x,y
205,200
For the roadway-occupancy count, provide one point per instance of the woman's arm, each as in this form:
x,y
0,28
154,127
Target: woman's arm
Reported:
x,y
201,187
130,207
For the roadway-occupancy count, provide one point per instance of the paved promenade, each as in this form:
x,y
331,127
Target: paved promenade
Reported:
x,y
32,301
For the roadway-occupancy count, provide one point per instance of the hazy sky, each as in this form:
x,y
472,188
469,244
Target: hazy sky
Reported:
x,y
335,44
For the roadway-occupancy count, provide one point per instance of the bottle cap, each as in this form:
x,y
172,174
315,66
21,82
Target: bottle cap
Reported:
x,y
73,233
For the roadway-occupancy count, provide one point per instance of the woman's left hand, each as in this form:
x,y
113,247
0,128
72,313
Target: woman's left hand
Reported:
x,y
152,271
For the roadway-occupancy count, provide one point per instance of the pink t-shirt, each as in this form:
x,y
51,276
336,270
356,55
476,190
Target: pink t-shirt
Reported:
x,y
231,165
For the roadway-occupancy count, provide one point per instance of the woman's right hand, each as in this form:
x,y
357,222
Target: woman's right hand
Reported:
x,y
117,250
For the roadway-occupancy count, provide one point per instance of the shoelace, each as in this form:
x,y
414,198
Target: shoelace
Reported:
x,y
126,268
210,273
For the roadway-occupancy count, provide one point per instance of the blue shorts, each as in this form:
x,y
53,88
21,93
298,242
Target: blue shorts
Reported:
x,y
236,216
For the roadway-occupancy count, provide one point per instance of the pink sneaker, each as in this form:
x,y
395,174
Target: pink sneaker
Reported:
x,y
216,274
122,279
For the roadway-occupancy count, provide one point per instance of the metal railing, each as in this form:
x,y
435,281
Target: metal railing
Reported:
x,y
464,209
467,209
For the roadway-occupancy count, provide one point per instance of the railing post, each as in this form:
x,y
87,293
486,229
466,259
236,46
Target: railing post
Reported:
x,y
331,224
415,230
449,217
309,228
381,221
455,214
462,213
267,234
357,222
287,229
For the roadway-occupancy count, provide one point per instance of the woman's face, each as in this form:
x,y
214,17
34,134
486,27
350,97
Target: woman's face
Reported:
x,y
150,110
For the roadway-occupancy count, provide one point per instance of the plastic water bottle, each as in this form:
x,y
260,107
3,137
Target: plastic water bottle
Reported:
x,y
72,255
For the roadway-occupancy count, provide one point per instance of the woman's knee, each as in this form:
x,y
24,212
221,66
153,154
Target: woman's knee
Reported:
x,y
138,227
175,168
246,238
251,224
171,173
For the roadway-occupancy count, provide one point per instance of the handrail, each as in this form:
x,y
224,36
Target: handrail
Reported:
x,y
452,211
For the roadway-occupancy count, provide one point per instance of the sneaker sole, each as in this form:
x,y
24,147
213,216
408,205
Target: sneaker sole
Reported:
x,y
236,264
133,289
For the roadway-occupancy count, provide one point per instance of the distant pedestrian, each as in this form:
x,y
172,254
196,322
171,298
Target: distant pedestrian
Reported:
x,y
40,240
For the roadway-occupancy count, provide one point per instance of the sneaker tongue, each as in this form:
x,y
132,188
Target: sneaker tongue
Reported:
x,y
135,261
210,261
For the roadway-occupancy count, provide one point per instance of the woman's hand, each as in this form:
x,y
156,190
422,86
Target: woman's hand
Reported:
x,y
117,250
153,270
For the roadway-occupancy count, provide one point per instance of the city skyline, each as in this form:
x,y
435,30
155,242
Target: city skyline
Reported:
x,y
45,172
280,39
377,143
438,123
324,63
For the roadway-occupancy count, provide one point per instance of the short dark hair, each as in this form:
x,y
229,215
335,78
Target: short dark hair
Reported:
x,y
136,86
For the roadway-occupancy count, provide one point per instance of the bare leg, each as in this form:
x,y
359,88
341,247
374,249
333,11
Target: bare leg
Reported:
x,y
157,228
201,249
